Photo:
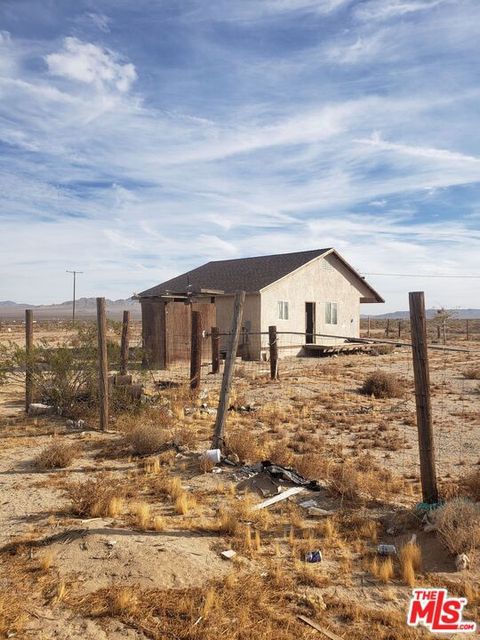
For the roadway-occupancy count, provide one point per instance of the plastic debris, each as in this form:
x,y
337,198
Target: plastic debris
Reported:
x,y
308,503
387,550
40,409
313,556
214,455
228,554
462,562
319,513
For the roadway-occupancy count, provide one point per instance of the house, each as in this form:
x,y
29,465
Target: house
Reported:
x,y
305,292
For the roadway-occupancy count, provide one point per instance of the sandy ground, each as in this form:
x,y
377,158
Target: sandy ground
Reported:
x,y
94,553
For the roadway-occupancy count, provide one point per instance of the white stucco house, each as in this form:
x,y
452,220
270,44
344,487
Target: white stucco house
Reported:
x,y
305,292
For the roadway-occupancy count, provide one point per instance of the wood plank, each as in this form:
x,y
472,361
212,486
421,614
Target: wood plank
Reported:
x,y
278,498
326,632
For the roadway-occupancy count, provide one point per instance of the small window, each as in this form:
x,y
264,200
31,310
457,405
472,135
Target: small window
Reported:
x,y
283,310
331,313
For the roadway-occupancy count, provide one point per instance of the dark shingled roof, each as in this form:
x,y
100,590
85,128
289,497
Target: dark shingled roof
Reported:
x,y
247,274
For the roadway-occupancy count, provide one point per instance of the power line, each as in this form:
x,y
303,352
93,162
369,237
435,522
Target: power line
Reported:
x,y
419,275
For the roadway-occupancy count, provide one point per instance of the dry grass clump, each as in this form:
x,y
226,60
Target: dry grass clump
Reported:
x,y
280,453
471,486
381,384
313,466
458,525
95,497
46,560
244,444
353,483
184,504
57,455
146,439
410,557
472,374
142,514
239,607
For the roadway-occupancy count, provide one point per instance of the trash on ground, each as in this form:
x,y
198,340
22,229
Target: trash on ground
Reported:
x,y
319,513
462,562
214,455
277,472
40,409
216,470
228,554
313,556
278,498
306,504
387,550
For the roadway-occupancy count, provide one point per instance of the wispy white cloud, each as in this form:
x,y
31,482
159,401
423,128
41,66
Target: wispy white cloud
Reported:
x,y
387,9
91,64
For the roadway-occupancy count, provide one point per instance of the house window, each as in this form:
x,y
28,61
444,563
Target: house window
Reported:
x,y
283,310
331,313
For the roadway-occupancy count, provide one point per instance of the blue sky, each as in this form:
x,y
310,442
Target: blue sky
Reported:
x,y
140,139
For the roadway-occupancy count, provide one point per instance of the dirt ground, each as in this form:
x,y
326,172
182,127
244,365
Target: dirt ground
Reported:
x,y
114,574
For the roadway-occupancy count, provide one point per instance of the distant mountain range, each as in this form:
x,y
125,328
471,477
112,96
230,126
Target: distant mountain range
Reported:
x,y
458,314
84,308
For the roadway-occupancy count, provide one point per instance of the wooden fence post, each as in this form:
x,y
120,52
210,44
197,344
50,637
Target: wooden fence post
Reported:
x,y
124,345
422,396
399,328
196,350
215,350
102,363
273,348
387,330
368,327
29,359
219,432
468,330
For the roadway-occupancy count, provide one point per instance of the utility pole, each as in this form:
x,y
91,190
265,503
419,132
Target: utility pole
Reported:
x,y
74,285
422,396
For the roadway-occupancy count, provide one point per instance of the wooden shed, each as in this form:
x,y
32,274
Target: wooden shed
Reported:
x,y
166,327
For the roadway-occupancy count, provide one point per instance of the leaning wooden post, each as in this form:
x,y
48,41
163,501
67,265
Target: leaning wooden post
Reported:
x,y
102,363
29,359
124,345
196,350
422,396
273,348
218,436
215,337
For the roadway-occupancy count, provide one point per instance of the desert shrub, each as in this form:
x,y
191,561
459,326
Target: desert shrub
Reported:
x,y
280,453
382,385
382,349
472,374
146,439
94,497
56,456
458,525
313,466
244,445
